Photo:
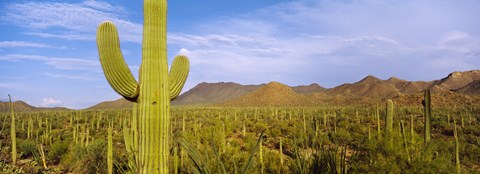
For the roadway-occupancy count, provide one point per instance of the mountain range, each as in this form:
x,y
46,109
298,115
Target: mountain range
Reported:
x,y
22,107
457,88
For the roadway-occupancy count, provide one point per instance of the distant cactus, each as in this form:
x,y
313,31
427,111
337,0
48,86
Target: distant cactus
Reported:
x,y
428,116
457,148
13,133
389,123
110,149
156,88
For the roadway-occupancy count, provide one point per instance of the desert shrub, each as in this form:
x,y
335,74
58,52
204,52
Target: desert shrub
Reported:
x,y
27,148
57,151
95,159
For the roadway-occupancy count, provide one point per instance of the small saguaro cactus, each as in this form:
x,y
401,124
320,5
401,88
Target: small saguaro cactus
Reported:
x,y
427,115
389,123
13,133
389,117
156,86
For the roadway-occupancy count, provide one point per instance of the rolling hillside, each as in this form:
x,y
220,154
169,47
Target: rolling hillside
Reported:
x,y
272,94
21,106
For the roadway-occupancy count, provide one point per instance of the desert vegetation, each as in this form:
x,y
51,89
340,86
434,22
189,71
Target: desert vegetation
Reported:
x,y
381,138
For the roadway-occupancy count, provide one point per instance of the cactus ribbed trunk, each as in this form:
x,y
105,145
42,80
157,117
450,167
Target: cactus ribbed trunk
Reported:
x,y
154,97
154,91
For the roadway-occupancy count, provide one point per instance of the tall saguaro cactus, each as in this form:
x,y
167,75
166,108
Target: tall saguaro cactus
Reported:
x,y
156,88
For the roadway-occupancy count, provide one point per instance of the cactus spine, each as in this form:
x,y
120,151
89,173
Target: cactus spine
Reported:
x,y
13,133
156,87
427,114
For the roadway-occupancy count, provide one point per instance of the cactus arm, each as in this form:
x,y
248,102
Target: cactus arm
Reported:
x,y
178,75
114,67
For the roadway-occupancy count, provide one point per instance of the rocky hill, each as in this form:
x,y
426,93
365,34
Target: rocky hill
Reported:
x,y
117,104
272,94
369,86
308,89
211,93
471,89
21,106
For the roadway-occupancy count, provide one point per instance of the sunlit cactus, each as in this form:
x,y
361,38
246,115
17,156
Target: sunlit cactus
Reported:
x,y
156,88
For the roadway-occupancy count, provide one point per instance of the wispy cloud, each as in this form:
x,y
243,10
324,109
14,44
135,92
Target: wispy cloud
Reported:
x,y
68,76
80,19
63,36
307,41
58,63
49,102
101,5
12,44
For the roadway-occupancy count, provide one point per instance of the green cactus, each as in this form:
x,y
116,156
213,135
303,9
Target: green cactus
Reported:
x,y
175,160
261,157
457,149
427,115
377,114
389,123
405,145
389,117
13,133
281,151
304,122
412,131
156,88
110,149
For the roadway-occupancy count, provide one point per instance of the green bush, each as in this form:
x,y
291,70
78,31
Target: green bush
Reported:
x,y
95,160
27,148
57,151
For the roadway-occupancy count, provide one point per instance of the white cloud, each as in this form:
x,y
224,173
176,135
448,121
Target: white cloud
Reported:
x,y
12,44
305,41
99,5
49,102
80,19
58,63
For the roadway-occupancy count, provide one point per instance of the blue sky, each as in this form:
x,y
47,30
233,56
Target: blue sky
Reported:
x,y
48,54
